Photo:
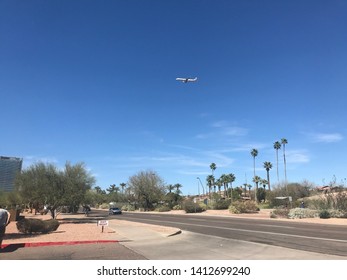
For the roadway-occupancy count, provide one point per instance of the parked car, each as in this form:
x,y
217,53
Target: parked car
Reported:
x,y
114,211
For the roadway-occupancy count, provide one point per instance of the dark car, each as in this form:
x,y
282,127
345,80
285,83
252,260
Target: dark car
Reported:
x,y
114,211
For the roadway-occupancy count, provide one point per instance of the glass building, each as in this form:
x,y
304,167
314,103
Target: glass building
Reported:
x,y
9,167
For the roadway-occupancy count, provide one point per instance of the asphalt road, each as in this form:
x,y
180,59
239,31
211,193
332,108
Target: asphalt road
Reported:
x,y
202,238
317,238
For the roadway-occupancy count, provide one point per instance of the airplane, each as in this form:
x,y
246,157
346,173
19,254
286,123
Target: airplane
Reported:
x,y
186,80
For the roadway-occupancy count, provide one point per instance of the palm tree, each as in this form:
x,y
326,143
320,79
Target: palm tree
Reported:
x,y
213,167
210,182
284,142
256,180
254,153
232,179
264,183
177,187
225,180
268,166
219,184
170,188
277,146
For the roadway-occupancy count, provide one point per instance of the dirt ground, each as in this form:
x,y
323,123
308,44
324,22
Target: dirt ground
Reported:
x,y
82,229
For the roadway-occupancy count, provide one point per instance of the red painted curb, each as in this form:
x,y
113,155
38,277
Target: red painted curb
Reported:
x,y
40,244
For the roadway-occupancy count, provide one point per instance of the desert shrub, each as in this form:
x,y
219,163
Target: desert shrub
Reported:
x,y
331,201
248,206
203,206
301,213
279,213
295,190
219,204
337,213
324,214
191,207
162,208
273,215
29,226
177,207
104,206
128,207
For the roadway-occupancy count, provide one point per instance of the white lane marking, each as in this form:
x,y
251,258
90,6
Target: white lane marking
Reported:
x,y
264,225
195,219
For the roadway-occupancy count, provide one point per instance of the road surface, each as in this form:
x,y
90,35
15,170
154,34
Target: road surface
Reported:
x,y
310,237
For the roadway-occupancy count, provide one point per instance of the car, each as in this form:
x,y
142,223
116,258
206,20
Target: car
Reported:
x,y
114,211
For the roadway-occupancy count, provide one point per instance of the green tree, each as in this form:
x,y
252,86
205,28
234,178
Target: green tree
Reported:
x,y
219,184
268,166
113,189
178,188
210,182
225,181
277,146
264,183
76,182
232,179
213,167
43,184
148,189
170,188
256,180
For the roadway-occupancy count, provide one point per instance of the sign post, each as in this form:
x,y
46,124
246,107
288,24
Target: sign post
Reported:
x,y
103,223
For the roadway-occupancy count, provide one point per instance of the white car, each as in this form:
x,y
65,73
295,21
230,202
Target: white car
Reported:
x,y
114,211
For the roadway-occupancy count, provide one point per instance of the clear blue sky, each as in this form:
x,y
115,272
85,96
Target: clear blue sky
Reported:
x,y
94,81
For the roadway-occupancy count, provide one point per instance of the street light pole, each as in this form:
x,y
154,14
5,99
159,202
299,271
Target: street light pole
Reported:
x,y
203,189
199,189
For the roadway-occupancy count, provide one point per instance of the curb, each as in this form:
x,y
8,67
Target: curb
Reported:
x,y
60,243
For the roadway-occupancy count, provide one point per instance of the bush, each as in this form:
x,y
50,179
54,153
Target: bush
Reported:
x,y
128,208
248,206
301,213
177,207
337,213
191,207
324,214
219,204
28,226
203,206
162,209
279,212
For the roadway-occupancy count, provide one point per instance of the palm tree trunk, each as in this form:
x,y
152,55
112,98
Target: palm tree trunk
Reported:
x,y
268,179
278,177
285,164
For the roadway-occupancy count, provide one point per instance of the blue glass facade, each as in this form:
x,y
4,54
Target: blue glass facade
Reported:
x,y
9,167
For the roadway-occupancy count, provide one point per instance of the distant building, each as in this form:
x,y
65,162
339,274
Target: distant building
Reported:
x,y
9,167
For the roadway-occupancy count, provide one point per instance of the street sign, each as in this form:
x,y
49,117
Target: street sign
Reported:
x,y
103,223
